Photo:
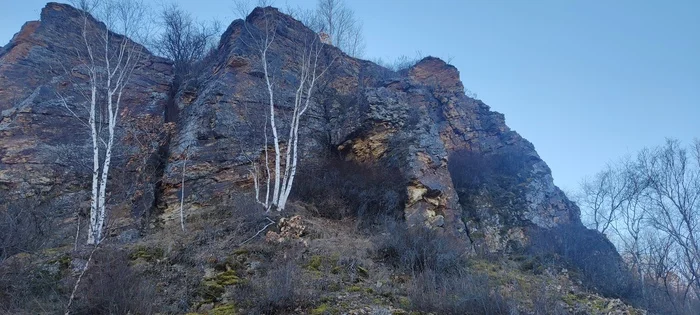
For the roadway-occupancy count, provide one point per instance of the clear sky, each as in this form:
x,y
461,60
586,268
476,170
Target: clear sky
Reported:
x,y
586,81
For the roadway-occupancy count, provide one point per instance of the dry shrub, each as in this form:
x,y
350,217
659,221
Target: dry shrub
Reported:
x,y
546,300
420,249
24,227
441,282
466,293
278,291
26,289
495,178
111,286
656,298
339,189
238,219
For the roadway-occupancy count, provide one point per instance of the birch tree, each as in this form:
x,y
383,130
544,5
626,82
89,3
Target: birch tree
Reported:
x,y
186,155
307,66
332,17
338,21
109,59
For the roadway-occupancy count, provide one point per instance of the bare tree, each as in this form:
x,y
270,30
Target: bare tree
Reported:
x,y
674,208
652,207
241,8
612,202
109,58
631,226
331,17
183,39
308,17
338,21
609,193
308,70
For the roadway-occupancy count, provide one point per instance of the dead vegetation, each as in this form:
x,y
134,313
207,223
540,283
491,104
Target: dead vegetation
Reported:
x,y
331,268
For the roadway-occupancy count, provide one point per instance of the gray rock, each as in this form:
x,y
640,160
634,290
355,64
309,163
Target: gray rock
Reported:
x,y
129,236
45,150
418,121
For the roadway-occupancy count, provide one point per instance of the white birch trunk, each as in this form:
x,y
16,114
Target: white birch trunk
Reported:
x,y
275,137
95,164
284,179
114,66
182,192
267,172
307,81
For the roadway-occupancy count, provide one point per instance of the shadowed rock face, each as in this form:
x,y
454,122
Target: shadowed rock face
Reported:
x,y
44,149
467,174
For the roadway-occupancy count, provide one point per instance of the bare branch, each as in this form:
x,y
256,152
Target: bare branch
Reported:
x,y
258,233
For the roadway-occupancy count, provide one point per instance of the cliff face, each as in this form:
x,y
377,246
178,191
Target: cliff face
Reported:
x,y
466,173
45,147
416,120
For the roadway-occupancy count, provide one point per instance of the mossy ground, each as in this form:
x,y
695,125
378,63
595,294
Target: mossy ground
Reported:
x,y
337,271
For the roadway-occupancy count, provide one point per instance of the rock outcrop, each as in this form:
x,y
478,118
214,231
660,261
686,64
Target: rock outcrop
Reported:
x,y
415,120
44,147
466,173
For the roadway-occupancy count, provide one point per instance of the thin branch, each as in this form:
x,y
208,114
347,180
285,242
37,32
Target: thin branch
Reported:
x,y
80,277
256,234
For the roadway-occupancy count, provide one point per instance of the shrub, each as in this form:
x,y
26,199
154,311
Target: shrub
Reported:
x,y
505,168
467,293
657,298
546,300
24,227
418,250
441,280
110,286
340,189
26,289
238,219
401,63
277,292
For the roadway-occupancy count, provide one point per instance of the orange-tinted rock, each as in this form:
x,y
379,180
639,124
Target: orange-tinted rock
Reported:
x,y
418,121
43,146
413,120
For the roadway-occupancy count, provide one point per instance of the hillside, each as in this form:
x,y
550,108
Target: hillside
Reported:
x,y
410,196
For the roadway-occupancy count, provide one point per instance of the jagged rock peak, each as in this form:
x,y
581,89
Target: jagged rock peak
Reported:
x,y
42,143
60,11
265,19
434,71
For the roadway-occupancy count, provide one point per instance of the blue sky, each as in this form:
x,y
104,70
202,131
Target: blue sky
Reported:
x,y
586,81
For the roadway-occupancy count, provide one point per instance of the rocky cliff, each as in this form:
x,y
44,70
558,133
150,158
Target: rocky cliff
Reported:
x,y
416,120
45,146
465,173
